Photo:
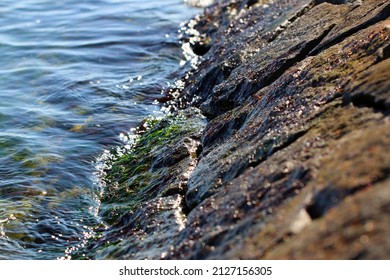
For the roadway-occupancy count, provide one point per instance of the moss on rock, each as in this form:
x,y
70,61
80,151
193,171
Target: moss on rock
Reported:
x,y
141,174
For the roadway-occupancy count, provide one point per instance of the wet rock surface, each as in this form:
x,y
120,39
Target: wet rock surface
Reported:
x,y
148,233
293,162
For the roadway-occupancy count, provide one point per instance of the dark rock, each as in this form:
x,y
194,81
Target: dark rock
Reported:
x,y
149,233
277,114
201,46
336,2
293,161
372,12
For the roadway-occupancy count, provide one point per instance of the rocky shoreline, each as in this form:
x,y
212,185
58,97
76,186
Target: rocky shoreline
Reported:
x,y
279,148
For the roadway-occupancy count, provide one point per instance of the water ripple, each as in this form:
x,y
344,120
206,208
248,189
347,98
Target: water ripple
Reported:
x,y
74,76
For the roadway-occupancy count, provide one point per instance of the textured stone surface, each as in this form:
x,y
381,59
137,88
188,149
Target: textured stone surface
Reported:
x,y
280,113
294,160
147,233
372,86
357,229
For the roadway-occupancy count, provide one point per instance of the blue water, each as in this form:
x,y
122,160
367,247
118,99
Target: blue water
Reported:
x,y
74,75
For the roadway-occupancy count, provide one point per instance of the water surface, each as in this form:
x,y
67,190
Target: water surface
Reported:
x,y
74,75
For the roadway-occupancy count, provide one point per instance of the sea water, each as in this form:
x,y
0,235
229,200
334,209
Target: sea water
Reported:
x,y
74,75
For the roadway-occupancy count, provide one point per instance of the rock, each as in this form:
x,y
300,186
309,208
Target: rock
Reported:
x,y
149,233
337,2
356,229
158,164
279,114
372,87
292,160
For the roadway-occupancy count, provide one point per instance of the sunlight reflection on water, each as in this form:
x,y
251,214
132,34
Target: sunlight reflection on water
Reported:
x,y
74,76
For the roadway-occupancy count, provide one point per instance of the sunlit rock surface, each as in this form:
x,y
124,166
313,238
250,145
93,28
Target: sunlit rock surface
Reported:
x,y
293,160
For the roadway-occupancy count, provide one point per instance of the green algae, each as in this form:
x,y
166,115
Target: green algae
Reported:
x,y
139,176
132,177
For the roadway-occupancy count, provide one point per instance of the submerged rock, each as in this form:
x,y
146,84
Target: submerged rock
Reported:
x,y
292,161
148,233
